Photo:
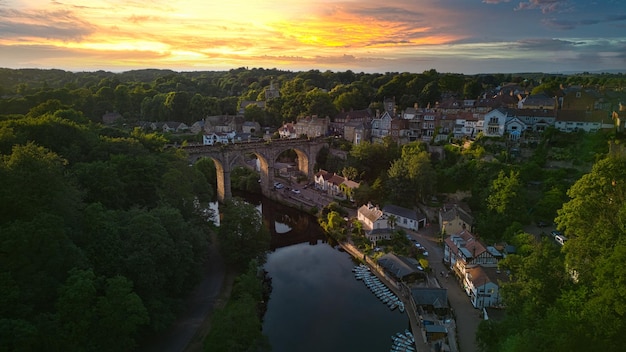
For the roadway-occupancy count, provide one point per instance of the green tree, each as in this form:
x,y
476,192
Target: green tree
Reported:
x,y
411,174
242,234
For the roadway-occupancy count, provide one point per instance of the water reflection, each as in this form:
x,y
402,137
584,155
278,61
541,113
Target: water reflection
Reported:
x,y
316,303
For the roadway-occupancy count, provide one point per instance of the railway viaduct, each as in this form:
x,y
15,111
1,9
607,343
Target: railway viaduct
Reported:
x,y
228,156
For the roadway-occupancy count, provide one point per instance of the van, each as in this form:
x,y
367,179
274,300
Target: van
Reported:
x,y
560,239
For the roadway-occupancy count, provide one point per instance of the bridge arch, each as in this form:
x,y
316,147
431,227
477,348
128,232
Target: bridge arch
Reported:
x,y
226,157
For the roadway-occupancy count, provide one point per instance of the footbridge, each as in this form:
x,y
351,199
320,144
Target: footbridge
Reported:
x,y
227,156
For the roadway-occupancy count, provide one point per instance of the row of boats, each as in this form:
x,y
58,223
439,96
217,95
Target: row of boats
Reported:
x,y
403,342
362,272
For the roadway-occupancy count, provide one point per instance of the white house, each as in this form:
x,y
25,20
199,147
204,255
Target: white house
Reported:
x,y
482,285
222,137
288,130
495,121
374,222
405,218
588,121
335,185
514,127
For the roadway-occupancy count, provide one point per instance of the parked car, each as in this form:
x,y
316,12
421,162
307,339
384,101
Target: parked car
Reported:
x,y
296,191
278,185
560,239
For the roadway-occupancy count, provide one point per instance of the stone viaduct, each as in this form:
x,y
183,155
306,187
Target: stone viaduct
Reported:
x,y
227,156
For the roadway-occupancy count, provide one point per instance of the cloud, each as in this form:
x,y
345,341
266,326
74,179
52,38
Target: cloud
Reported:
x,y
570,24
546,44
546,6
57,24
495,1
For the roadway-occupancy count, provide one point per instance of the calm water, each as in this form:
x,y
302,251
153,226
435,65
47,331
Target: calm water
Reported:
x,y
318,305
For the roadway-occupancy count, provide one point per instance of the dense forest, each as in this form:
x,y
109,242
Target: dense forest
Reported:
x,y
103,229
162,95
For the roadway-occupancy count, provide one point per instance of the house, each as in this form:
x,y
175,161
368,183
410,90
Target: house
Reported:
x,y
251,127
197,127
535,119
405,218
222,137
356,132
347,188
429,124
514,127
576,98
335,185
463,249
398,131
454,219
381,127
588,121
482,285
539,101
223,123
374,223
475,266
465,125
174,126
353,118
312,126
321,179
495,121
287,130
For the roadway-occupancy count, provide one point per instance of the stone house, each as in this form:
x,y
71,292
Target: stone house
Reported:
x,y
312,126
454,219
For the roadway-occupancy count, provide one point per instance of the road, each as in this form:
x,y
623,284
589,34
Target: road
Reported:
x,y
467,317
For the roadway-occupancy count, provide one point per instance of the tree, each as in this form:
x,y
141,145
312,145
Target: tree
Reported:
x,y
392,220
94,318
506,203
318,102
412,173
242,234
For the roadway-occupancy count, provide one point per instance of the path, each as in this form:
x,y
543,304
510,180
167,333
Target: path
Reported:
x,y
187,331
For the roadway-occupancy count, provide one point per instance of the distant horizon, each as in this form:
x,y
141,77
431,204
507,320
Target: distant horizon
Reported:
x,y
450,36
594,72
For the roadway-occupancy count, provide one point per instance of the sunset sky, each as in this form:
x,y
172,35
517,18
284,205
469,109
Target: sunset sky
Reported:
x,y
463,36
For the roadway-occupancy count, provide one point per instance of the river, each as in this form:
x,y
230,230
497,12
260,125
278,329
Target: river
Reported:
x,y
316,303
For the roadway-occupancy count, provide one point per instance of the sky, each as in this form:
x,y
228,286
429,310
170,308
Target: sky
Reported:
x,y
458,36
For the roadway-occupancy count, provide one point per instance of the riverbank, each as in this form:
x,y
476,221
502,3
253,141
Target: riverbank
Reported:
x,y
197,342
400,290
